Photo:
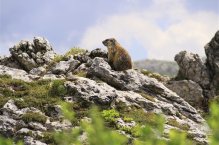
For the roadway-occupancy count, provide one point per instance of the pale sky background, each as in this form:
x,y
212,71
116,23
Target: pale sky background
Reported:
x,y
155,29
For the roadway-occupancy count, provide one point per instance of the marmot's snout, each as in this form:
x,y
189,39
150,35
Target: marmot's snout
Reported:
x,y
104,42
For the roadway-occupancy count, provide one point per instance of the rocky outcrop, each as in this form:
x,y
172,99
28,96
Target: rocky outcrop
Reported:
x,y
29,55
117,87
192,68
212,53
12,125
205,74
17,73
89,79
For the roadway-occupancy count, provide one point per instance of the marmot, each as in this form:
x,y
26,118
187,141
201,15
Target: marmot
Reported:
x,y
118,57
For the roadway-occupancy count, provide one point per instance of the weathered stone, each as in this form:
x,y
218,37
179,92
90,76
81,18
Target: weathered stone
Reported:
x,y
10,62
98,53
212,53
189,91
90,91
31,55
52,77
37,126
16,73
7,126
164,100
83,58
135,81
122,123
61,67
41,44
192,68
54,111
73,65
31,141
58,125
38,71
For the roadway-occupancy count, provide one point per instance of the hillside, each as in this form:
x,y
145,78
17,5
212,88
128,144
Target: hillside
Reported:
x,y
162,67
77,98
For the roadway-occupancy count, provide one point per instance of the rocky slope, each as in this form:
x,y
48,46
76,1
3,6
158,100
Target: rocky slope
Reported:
x,y
204,75
34,79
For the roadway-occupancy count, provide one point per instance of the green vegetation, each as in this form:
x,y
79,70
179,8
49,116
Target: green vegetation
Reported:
x,y
139,115
36,94
75,51
34,116
101,129
81,73
59,58
58,88
213,123
110,115
3,100
147,96
173,122
98,134
152,75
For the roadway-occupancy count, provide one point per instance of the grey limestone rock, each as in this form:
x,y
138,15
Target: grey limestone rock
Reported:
x,y
212,53
189,91
98,52
38,71
124,87
192,68
16,73
30,55
31,141
61,67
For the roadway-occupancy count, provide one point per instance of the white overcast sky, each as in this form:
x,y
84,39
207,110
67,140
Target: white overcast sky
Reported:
x,y
155,29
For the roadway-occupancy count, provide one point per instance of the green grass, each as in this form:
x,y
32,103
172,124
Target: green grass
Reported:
x,y
3,100
34,117
152,75
58,88
173,122
81,73
139,115
75,51
151,98
31,94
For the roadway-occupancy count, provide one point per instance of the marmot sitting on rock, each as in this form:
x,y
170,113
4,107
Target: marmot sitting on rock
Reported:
x,y
118,57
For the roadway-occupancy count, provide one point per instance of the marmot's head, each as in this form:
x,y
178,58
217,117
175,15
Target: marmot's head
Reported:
x,y
109,42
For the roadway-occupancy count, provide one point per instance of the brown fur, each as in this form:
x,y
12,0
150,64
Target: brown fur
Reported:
x,y
118,57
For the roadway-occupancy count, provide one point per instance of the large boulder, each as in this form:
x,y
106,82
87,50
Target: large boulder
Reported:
x,y
190,91
191,67
212,53
30,55
17,73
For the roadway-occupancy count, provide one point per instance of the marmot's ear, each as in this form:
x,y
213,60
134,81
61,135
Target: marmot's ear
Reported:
x,y
114,40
